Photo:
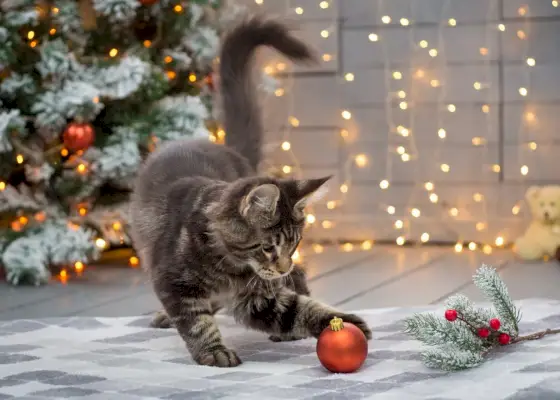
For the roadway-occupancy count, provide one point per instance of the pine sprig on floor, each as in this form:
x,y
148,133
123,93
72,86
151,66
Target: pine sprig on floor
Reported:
x,y
467,333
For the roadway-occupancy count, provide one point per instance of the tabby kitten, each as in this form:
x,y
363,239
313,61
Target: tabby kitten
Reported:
x,y
211,232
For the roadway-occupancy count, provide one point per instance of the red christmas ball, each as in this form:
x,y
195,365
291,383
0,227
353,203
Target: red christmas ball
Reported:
x,y
78,136
451,315
342,347
483,332
504,338
495,324
148,2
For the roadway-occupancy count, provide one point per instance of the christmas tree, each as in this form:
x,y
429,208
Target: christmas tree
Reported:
x,y
87,89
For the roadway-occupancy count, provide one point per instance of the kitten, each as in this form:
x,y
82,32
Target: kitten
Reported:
x,y
211,232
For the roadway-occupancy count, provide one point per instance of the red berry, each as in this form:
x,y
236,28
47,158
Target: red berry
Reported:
x,y
495,324
483,332
451,315
503,338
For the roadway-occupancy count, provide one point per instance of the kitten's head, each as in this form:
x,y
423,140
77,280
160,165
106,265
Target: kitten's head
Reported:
x,y
259,221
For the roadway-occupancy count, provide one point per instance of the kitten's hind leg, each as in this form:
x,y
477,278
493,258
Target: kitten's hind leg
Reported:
x,y
195,323
297,282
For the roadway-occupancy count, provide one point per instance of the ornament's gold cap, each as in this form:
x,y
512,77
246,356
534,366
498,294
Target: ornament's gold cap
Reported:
x,y
336,324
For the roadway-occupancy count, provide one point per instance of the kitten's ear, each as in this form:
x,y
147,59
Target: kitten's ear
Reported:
x,y
310,191
260,204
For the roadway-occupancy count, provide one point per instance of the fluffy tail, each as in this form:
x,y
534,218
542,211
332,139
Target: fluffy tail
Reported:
x,y
242,115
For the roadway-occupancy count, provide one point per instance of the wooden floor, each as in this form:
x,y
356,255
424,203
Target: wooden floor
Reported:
x,y
386,276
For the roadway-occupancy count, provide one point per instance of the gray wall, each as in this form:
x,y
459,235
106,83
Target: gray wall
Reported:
x,y
316,97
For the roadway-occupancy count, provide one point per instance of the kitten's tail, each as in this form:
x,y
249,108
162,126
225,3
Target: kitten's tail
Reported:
x,y
242,115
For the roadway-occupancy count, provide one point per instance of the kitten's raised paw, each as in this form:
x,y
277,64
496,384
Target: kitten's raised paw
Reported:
x,y
161,320
221,357
359,322
284,338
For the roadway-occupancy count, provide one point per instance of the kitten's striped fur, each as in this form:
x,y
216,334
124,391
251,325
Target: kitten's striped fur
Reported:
x,y
213,233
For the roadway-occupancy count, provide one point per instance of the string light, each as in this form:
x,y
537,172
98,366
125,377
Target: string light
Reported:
x,y
496,168
317,248
477,197
515,209
147,43
33,44
423,44
434,83
299,10
480,226
425,237
2,186
501,27
331,204
30,35
554,3
324,33
400,240
397,75
347,247
485,108
531,62
458,247
344,133
324,5
404,21
415,212
286,169
521,35
133,261
445,167
168,59
346,114
171,74
78,266
192,77
259,2
386,19
384,184
477,85
442,133
451,108
453,212
349,77
286,146
367,245
499,241
344,188
523,91
63,275
524,170
401,94
399,224
81,168
100,243
52,31
391,210
405,157
373,37
472,246
178,8
19,159
82,211
434,198
326,224
310,218
452,22
487,249
113,52
401,150
433,53
429,186
532,146
294,121
403,105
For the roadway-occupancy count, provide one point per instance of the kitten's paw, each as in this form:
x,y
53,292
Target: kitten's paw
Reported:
x,y
221,357
359,322
285,338
161,320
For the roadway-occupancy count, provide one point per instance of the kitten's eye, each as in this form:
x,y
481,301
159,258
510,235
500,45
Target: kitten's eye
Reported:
x,y
267,248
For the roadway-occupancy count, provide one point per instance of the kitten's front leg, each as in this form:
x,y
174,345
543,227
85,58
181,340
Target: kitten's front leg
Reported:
x,y
287,313
195,323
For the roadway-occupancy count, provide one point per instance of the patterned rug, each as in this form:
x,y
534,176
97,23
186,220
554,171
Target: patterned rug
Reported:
x,y
122,359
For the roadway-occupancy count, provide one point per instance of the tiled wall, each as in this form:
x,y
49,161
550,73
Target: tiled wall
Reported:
x,y
491,135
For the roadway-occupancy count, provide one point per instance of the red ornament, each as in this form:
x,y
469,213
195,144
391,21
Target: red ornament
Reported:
x,y
148,2
78,136
504,338
495,324
342,347
451,315
483,332
209,80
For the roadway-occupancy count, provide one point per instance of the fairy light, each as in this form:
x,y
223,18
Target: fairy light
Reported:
x,y
405,157
135,261
299,10
524,170
171,74
419,74
286,146
442,134
415,212
192,77
63,276
386,19
327,57
326,224
397,75
286,169
401,94
391,210
403,105
81,168
347,247
366,245
117,226
501,27
168,59
30,35
19,159
452,22
259,2
113,52
521,35
78,266
515,209
349,77
445,167
477,85
324,33
496,168
346,114
425,237
331,204
554,3
324,5
310,218
532,146
433,52
434,198
499,241
429,186
296,257
451,108
344,133
472,246
434,83
2,186
401,150
403,131
178,8
147,43
531,62
458,247
317,248
478,197
485,108
384,184
487,249
404,21
399,224
480,226
478,141
400,240
523,91
344,188
294,122
453,211
279,92
100,243
483,51
373,37
52,31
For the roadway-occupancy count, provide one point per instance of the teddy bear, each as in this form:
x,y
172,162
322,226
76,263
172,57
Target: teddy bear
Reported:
x,y
542,237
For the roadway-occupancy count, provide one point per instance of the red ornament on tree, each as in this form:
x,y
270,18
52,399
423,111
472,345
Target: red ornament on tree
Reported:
x,y
78,136
483,332
451,315
342,347
504,338
148,2
495,324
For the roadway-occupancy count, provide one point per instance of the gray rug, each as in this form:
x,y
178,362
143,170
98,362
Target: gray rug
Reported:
x,y
120,358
